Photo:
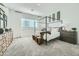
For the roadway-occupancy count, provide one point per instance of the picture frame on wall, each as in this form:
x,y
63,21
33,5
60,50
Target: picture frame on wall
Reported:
x,y
3,19
58,15
49,18
53,17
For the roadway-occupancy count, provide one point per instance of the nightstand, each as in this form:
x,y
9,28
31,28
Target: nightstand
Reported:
x,y
68,36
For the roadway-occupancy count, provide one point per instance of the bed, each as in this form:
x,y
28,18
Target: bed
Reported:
x,y
47,25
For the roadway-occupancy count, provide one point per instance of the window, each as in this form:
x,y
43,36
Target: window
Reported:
x,y
28,23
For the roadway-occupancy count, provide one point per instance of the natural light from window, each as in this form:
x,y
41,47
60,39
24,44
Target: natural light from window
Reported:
x,y
28,23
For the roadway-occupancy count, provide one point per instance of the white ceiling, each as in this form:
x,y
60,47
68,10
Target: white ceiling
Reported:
x,y
42,9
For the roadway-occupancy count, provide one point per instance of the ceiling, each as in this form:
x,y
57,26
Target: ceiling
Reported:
x,y
41,9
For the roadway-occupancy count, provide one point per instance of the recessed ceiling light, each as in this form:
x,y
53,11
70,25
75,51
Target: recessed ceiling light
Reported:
x,y
38,4
32,9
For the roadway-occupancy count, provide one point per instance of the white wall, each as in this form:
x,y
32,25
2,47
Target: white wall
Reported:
x,y
14,23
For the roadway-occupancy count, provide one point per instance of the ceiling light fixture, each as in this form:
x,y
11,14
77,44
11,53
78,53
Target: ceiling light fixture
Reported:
x,y
32,10
38,4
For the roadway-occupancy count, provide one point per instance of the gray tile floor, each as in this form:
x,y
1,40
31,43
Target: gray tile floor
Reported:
x,y
28,47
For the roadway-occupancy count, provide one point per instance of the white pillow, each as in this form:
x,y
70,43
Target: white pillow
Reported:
x,y
54,30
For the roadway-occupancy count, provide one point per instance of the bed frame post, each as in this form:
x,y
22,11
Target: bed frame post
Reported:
x,y
46,29
34,27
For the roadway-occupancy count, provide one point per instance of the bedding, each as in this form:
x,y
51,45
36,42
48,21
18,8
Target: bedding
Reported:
x,y
54,34
56,24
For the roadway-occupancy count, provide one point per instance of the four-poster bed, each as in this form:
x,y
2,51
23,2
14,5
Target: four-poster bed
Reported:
x,y
48,28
